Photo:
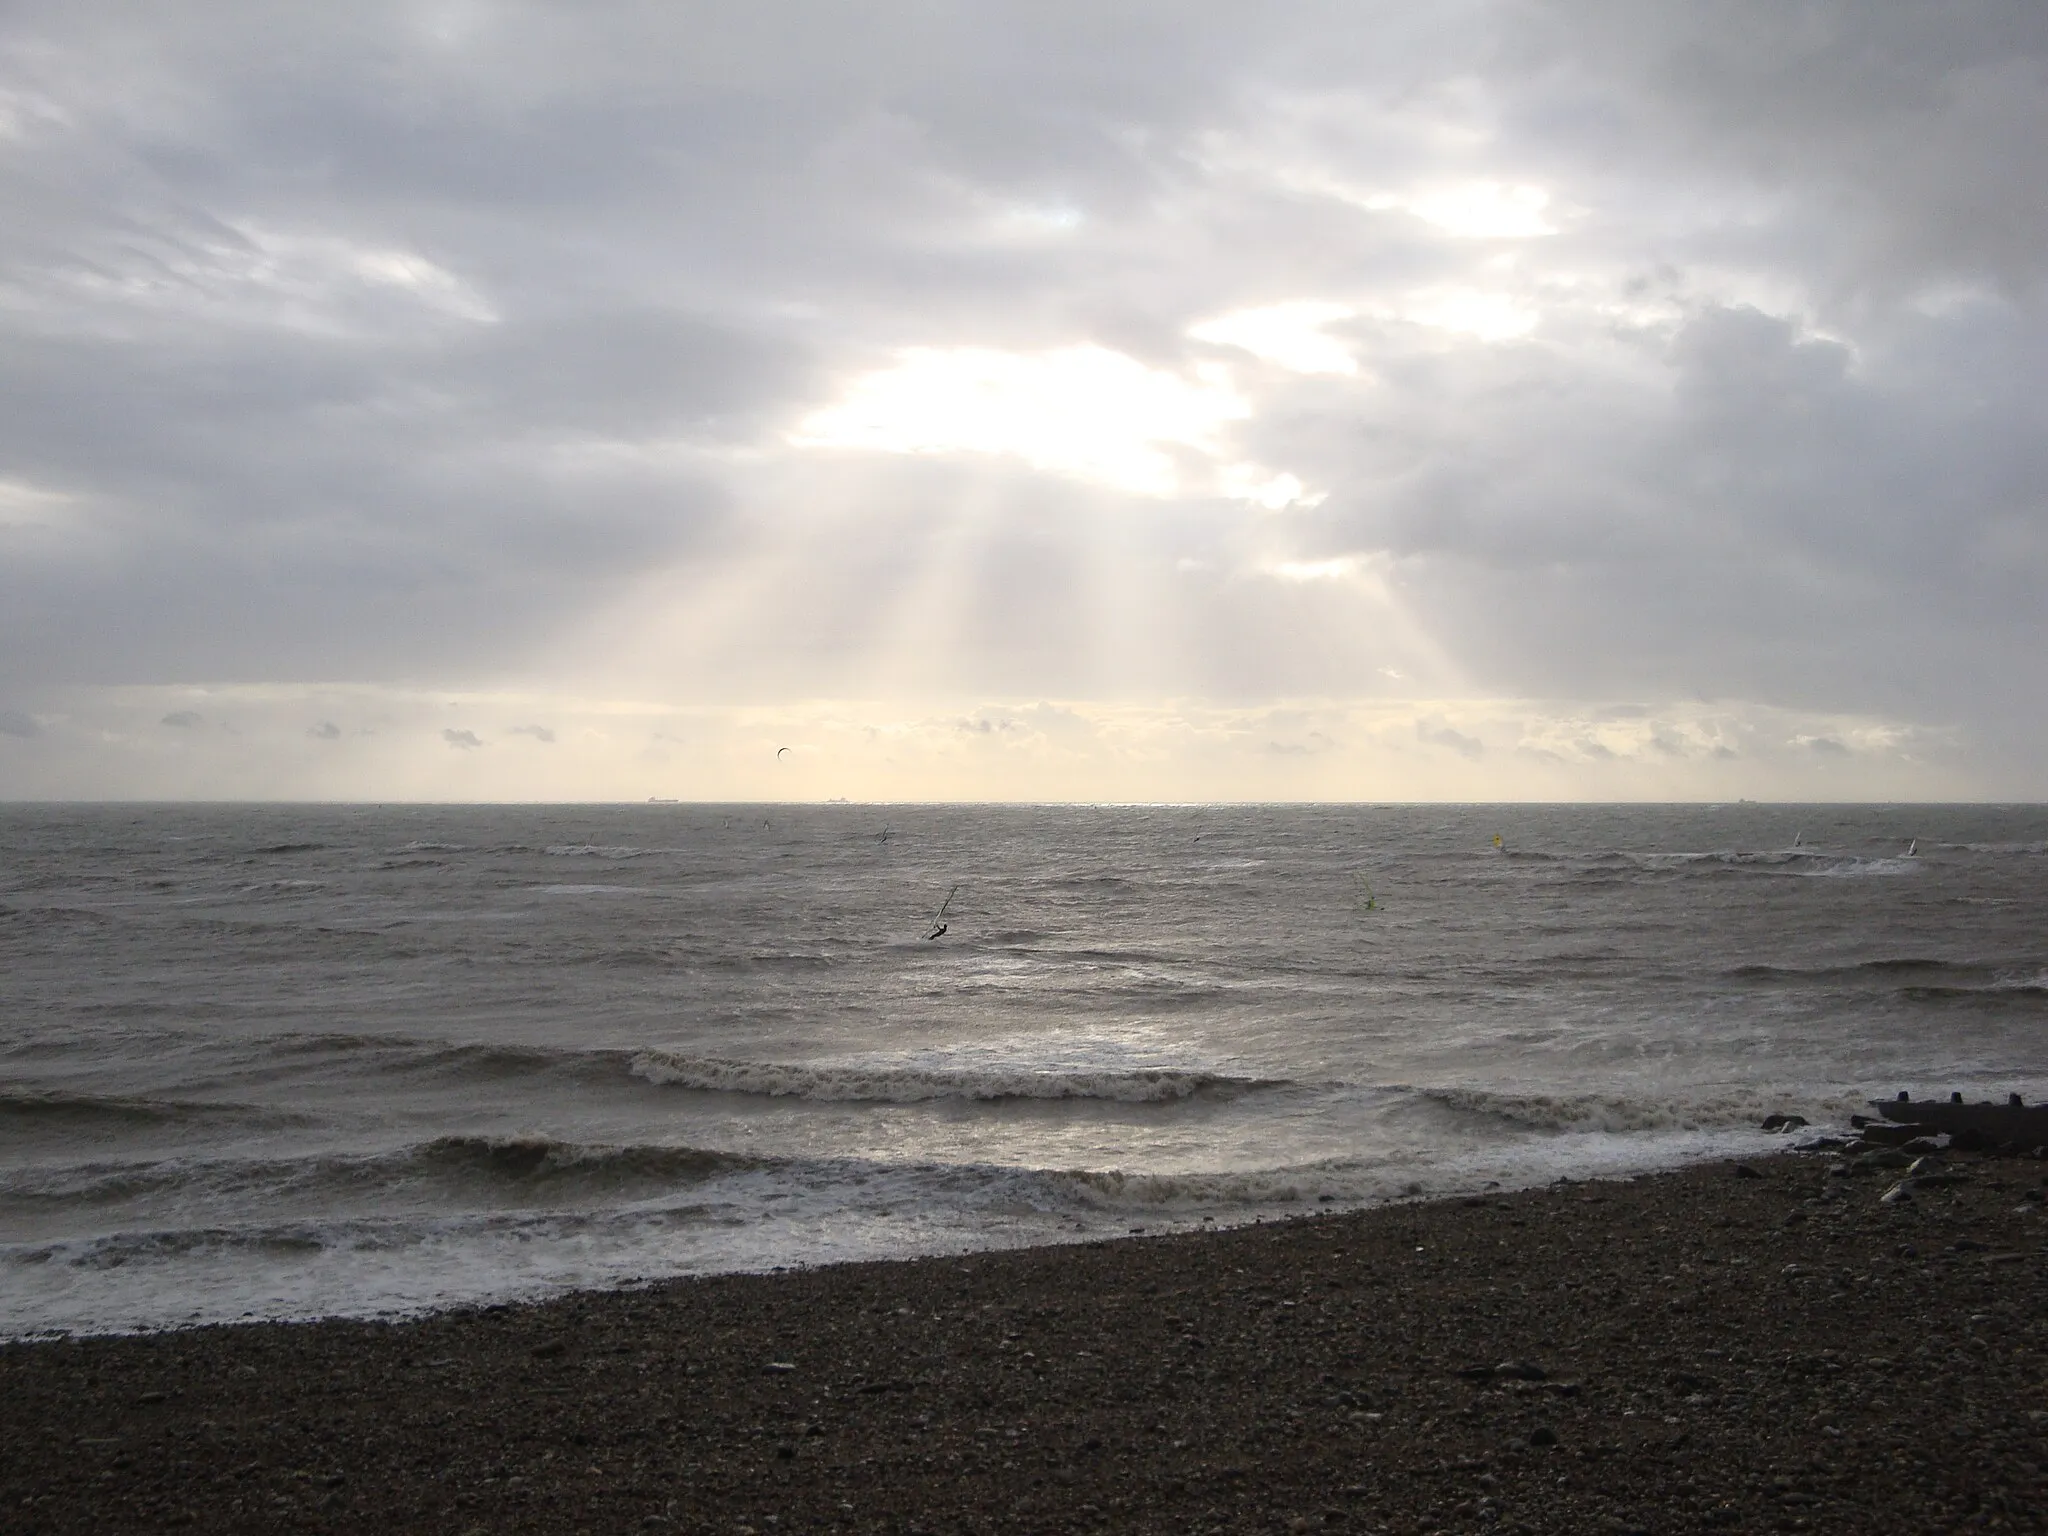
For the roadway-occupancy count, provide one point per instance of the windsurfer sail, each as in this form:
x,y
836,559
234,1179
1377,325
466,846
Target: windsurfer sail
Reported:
x,y
939,924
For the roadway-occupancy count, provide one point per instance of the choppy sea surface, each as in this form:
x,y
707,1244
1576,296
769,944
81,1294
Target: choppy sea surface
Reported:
x,y
289,1061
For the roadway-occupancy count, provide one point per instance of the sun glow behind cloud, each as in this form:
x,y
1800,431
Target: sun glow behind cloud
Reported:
x,y
1480,210
1152,366
1083,411
1464,210
1290,335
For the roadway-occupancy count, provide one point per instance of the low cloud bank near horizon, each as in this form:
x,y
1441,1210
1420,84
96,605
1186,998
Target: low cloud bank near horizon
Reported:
x,y
395,744
1275,395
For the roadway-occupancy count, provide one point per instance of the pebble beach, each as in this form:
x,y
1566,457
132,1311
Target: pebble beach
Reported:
x,y
1743,1347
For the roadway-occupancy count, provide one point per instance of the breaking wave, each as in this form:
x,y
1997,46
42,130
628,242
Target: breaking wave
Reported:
x,y
493,1170
1620,1114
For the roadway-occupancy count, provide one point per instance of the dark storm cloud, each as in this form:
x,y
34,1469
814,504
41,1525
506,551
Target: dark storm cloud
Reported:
x,y
394,343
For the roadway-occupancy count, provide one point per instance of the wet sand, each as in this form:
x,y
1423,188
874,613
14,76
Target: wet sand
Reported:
x,y
1715,1349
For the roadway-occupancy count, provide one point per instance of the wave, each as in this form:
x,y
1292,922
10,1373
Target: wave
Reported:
x,y
593,851
34,918
464,1169
1903,965
1624,863
530,1161
2038,982
1860,869
286,1240
1997,987
875,1083
1619,1113
830,1081
1914,977
468,1058
1115,1189
38,1108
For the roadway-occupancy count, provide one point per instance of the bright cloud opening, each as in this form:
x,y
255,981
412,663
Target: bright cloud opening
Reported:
x,y
1288,334
1480,210
1082,411
1339,569
1040,219
1263,488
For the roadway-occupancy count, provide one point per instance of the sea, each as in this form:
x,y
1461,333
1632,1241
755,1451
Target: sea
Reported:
x,y
276,1061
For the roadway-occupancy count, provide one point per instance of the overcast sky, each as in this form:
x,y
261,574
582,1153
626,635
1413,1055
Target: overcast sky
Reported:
x,y
1037,400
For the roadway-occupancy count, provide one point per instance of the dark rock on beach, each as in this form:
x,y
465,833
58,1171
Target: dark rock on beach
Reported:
x,y
1662,1354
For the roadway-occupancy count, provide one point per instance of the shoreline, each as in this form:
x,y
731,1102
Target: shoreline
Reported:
x,y
1706,1348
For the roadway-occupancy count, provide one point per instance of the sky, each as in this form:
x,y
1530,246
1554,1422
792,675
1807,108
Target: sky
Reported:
x,y
1479,400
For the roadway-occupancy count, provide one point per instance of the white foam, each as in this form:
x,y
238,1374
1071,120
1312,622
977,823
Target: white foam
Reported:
x,y
743,1219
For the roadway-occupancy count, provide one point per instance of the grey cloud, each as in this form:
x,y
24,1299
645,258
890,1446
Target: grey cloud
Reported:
x,y
14,722
1900,135
1782,525
464,740
183,719
326,730
312,503
1827,746
1808,465
540,733
1445,736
